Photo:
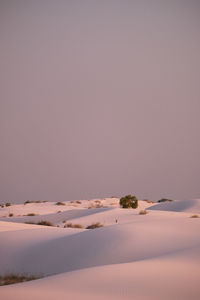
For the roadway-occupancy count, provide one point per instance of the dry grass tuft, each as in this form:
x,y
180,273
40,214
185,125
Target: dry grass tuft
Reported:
x,y
31,215
15,278
143,212
70,225
94,225
194,216
60,203
42,222
78,202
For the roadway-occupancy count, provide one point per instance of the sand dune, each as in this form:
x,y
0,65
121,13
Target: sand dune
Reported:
x,y
153,256
179,206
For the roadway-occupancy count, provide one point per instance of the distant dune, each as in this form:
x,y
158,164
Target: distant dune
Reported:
x,y
179,206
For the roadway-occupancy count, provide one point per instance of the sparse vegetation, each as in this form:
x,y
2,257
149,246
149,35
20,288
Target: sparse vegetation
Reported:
x,y
8,204
194,216
42,222
143,212
28,201
45,223
10,214
78,202
165,200
129,202
70,225
60,203
31,214
16,278
94,225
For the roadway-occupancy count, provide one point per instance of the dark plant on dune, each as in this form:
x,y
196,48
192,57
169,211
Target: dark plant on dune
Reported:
x,y
165,200
94,225
16,278
143,212
45,223
31,214
70,225
129,201
60,203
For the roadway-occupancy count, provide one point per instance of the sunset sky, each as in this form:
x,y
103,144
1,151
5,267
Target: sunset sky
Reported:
x,y
99,98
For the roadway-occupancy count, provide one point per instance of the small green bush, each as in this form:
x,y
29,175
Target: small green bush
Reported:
x,y
129,201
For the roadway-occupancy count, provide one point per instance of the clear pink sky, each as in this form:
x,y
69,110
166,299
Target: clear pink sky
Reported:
x,y
99,98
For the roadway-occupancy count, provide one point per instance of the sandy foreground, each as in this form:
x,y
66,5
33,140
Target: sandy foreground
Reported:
x,y
132,256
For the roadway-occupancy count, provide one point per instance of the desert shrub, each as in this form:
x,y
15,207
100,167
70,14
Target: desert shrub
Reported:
x,y
8,204
194,216
59,211
97,201
37,201
70,225
27,202
10,215
129,202
143,212
94,225
79,202
1,205
45,223
15,278
165,200
60,203
31,214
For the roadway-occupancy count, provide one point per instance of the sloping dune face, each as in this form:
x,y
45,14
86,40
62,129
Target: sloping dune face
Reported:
x,y
184,206
133,256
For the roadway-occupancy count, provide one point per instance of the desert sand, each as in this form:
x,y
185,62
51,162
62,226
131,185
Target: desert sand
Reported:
x,y
132,256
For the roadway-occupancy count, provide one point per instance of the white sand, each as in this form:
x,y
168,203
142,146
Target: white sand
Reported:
x,y
153,256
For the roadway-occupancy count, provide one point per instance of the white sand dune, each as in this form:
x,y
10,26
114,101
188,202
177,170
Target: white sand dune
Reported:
x,y
167,277
153,256
179,206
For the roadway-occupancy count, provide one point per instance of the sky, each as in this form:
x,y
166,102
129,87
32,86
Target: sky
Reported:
x,y
99,98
